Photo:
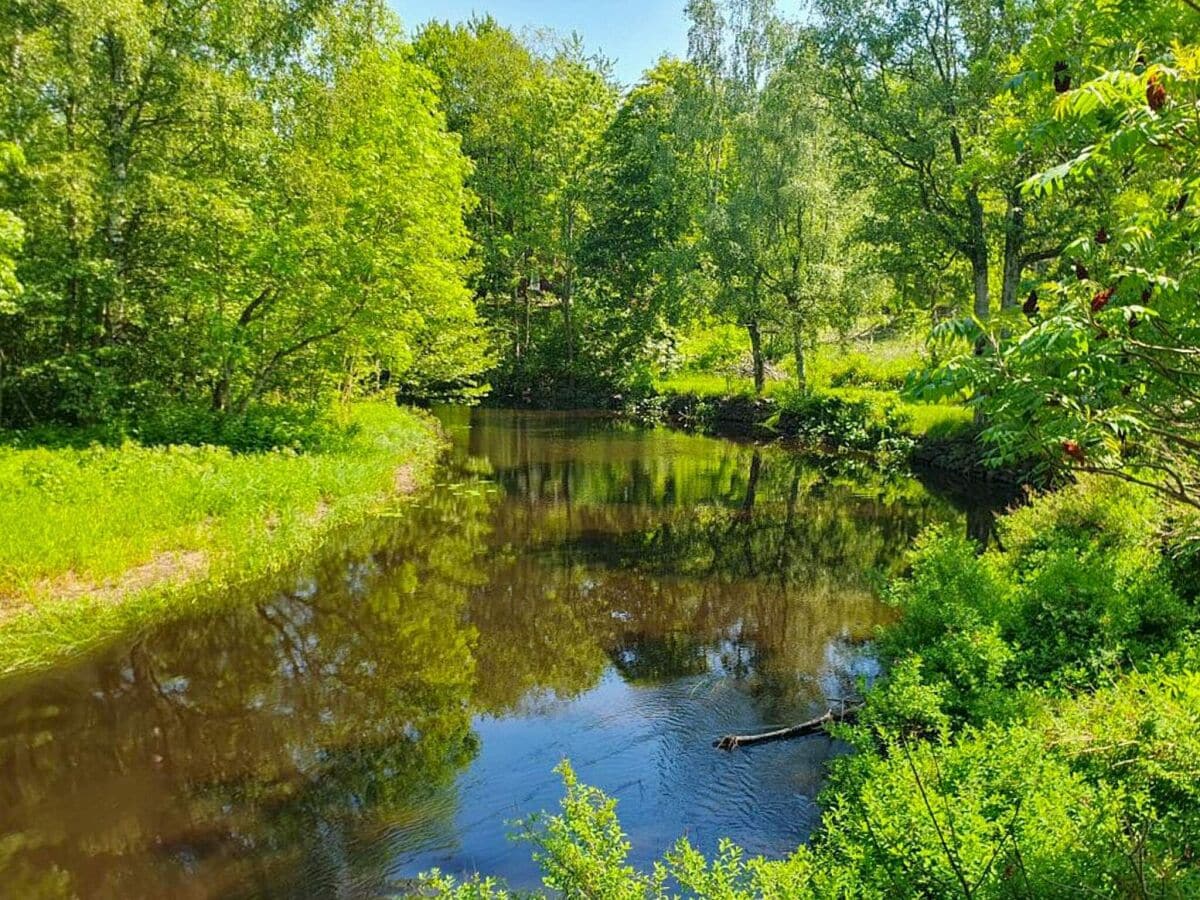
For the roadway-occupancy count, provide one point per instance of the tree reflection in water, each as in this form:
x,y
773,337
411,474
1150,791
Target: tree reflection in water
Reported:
x,y
319,735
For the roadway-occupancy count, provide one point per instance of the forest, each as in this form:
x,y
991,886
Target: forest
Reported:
x,y
246,244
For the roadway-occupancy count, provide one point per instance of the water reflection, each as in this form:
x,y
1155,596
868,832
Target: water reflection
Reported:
x,y
611,594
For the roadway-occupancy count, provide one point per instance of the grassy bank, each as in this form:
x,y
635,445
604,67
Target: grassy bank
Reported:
x,y
867,374
98,540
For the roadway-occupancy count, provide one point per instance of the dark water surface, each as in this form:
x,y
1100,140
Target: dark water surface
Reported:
x,y
576,588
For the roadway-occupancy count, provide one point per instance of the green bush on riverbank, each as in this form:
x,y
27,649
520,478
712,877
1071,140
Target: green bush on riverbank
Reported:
x,y
90,538
1036,736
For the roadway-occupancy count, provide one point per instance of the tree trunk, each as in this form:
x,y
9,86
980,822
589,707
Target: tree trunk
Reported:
x,y
979,278
568,325
220,393
1014,242
117,153
760,375
977,251
798,352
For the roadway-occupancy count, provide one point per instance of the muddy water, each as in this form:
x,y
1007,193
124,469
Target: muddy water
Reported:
x,y
573,589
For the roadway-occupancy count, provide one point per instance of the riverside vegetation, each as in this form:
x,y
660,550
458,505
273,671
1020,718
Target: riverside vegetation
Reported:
x,y
226,227
99,539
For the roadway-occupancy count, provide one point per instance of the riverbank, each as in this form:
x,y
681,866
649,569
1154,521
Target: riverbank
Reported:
x,y
97,541
939,437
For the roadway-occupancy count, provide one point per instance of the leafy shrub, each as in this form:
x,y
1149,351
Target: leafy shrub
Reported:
x,y
834,422
1080,592
259,429
1097,798
583,853
1092,586
953,626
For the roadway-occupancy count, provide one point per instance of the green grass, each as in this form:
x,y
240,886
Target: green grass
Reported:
x,y
95,540
879,364
705,384
872,373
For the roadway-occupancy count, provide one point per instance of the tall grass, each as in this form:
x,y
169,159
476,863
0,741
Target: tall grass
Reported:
x,y
92,539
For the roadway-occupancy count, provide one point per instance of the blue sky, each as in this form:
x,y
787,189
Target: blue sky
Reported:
x,y
633,33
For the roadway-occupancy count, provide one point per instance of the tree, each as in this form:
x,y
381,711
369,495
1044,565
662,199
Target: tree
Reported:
x,y
1103,375
913,83
734,46
649,194
531,122
783,237
207,221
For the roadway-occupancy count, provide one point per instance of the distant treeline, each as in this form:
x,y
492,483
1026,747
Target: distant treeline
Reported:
x,y
228,202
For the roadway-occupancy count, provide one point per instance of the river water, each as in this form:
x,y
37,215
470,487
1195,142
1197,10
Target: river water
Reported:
x,y
574,588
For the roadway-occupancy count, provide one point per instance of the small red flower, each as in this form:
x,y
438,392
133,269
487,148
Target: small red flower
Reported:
x,y
1101,298
1073,450
1156,94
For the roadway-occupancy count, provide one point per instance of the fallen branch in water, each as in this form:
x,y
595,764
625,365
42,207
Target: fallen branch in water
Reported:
x,y
819,725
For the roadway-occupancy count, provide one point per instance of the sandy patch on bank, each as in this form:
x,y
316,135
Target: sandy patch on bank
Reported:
x,y
167,567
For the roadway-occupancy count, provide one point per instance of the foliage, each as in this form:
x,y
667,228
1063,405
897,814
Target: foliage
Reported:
x,y
1081,592
12,237
532,122
1098,373
223,206
261,428
835,422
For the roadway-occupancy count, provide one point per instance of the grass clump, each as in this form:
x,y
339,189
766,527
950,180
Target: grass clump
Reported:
x,y
90,538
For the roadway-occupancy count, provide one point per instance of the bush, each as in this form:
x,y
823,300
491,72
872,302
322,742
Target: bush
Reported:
x,y
1097,798
834,422
1080,592
259,429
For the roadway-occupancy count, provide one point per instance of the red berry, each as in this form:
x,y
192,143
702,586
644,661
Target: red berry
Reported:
x,y
1156,94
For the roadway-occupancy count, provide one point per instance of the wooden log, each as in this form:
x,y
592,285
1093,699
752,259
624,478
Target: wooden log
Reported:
x,y
819,725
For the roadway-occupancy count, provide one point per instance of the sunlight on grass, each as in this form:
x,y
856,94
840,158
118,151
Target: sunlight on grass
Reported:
x,y
84,533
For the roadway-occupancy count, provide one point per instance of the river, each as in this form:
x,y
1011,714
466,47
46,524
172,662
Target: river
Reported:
x,y
573,588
